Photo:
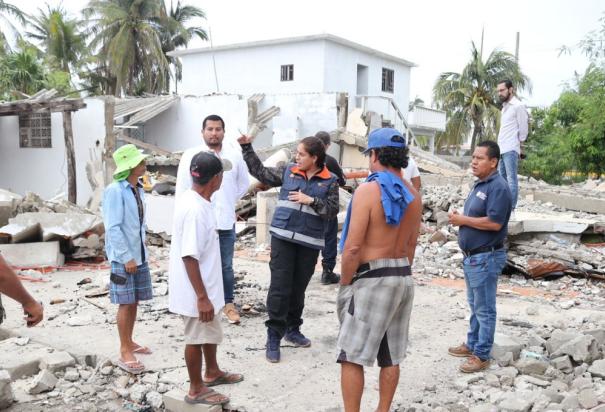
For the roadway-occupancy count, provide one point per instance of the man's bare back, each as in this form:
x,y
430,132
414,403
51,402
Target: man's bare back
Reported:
x,y
370,237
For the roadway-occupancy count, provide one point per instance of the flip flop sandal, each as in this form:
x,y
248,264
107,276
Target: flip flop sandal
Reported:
x,y
225,379
202,398
142,350
127,366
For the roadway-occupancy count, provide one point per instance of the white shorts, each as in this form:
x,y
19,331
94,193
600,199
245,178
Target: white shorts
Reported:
x,y
200,333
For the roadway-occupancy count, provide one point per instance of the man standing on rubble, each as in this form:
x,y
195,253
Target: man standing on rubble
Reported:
x,y
11,286
235,185
513,131
130,280
483,229
374,302
330,251
195,282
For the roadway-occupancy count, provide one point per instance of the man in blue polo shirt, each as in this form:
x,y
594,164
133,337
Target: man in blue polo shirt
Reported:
x,y
483,229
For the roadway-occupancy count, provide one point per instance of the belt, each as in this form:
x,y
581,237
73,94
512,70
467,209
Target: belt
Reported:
x,y
482,249
382,272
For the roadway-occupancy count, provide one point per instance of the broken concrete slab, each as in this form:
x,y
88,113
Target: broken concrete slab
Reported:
x,y
60,225
159,213
174,401
44,381
559,337
39,254
21,361
6,392
578,348
57,361
503,344
525,222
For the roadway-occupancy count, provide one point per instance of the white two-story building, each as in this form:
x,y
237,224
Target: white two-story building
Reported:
x,y
308,64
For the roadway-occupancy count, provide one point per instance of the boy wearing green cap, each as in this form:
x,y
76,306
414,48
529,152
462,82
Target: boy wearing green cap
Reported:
x,y
124,219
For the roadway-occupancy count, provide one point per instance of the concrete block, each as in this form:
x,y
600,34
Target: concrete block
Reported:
x,y
57,361
33,254
503,344
558,338
562,363
572,202
6,392
174,401
159,213
45,381
531,366
598,368
265,206
587,398
578,348
21,361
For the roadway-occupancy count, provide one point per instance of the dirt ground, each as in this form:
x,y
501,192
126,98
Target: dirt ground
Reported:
x,y
307,379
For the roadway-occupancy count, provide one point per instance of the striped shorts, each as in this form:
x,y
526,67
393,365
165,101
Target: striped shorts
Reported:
x,y
137,286
374,313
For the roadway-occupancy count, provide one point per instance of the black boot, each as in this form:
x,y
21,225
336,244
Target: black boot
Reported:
x,y
328,277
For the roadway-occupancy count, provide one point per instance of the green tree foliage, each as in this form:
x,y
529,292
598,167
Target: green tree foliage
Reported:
x,y
568,138
470,97
59,37
23,71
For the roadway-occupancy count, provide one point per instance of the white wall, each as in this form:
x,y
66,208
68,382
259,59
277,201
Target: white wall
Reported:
x,y
255,70
179,127
44,170
341,75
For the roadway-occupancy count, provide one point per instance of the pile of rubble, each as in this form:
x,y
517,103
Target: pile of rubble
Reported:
x,y
545,241
51,378
56,228
558,367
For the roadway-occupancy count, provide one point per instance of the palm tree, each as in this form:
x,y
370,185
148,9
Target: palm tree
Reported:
x,y
175,33
470,97
8,10
126,35
61,38
22,71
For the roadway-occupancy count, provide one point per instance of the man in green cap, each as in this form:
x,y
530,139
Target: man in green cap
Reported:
x,y
124,219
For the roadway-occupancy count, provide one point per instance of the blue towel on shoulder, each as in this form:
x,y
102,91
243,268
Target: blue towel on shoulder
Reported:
x,y
395,198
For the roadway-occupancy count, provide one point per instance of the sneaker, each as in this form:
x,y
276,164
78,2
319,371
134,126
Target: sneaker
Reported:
x,y
272,348
329,278
297,339
231,313
474,364
461,351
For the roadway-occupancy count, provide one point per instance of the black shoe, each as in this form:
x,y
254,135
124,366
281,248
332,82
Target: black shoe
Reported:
x,y
297,339
329,278
273,342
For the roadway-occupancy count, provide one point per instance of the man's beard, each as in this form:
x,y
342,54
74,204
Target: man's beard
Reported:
x,y
504,99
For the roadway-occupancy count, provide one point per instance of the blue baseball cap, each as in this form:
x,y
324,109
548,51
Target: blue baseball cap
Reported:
x,y
385,137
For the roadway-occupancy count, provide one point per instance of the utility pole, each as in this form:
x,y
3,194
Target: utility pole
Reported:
x,y
517,49
481,49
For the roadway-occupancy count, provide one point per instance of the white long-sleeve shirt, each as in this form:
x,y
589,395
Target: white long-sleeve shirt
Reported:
x,y
235,183
513,126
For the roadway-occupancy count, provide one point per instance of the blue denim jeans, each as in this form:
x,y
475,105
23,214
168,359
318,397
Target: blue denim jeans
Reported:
x,y
328,253
508,166
481,273
227,242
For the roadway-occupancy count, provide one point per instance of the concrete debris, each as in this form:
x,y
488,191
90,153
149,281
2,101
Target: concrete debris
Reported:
x,y
6,392
45,381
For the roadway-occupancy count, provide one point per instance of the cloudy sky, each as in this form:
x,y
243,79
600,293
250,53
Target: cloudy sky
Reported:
x,y
434,34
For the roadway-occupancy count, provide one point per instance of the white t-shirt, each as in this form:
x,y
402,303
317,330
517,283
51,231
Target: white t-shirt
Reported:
x,y
234,186
411,171
194,234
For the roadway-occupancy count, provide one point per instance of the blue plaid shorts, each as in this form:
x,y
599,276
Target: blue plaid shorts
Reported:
x,y
137,287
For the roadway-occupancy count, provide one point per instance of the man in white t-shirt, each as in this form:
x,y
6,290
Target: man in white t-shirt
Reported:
x,y
195,279
235,185
412,174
